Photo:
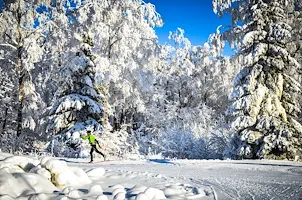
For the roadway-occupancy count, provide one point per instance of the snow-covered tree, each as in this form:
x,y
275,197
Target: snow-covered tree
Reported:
x,y
58,42
7,112
124,40
79,107
189,96
265,96
21,42
295,46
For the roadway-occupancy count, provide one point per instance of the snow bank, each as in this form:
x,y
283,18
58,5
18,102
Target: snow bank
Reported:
x,y
47,178
17,180
32,177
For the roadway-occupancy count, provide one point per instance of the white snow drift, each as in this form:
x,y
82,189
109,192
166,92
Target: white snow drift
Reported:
x,y
23,177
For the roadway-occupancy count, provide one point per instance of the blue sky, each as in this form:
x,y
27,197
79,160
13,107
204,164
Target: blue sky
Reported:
x,y
196,17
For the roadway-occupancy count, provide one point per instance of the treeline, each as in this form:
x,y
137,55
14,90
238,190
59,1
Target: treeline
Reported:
x,y
72,66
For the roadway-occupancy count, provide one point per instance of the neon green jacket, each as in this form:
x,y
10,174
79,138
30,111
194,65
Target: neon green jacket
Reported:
x,y
90,138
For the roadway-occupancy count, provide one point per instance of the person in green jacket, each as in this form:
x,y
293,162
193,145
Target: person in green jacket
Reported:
x,y
93,142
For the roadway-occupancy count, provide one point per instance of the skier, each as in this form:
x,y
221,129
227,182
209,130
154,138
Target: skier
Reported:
x,y
92,142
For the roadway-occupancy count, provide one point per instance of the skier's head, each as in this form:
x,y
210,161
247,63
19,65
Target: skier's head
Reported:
x,y
88,132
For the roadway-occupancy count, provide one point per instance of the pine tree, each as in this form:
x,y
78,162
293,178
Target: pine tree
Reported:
x,y
80,106
265,107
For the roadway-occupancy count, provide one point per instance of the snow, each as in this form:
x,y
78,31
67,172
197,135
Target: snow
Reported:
x,y
24,177
76,102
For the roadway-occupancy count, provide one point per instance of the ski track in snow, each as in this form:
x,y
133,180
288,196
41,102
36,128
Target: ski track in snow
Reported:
x,y
246,179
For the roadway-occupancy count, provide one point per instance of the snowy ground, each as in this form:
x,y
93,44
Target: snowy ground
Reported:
x,y
31,178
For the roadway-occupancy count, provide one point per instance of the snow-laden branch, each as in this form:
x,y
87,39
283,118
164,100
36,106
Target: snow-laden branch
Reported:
x,y
38,30
78,8
8,45
14,41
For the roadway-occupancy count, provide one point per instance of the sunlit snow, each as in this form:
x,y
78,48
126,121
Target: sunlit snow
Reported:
x,y
24,177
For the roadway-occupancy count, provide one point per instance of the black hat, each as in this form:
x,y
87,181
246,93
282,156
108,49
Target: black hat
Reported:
x,y
88,131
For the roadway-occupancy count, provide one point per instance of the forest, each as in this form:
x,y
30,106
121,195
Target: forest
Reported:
x,y
70,66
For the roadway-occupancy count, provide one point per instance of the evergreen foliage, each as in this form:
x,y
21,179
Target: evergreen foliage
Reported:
x,y
265,106
79,108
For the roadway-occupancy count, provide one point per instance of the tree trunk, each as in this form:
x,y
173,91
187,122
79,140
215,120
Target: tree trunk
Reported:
x,y
106,94
4,122
19,118
19,75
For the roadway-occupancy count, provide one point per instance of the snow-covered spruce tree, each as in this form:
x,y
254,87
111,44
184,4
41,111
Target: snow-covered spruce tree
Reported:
x,y
295,46
21,42
59,46
264,99
80,106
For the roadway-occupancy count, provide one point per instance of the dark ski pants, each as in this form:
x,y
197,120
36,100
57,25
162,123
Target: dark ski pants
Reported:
x,y
93,148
